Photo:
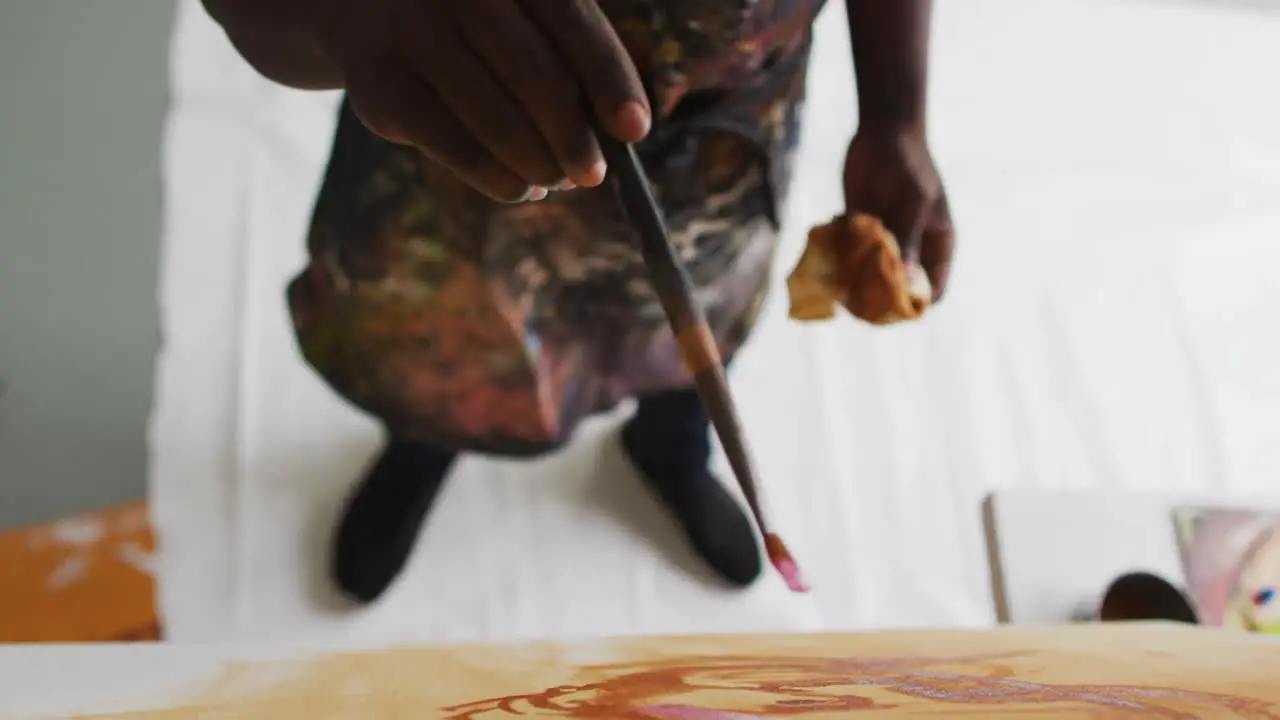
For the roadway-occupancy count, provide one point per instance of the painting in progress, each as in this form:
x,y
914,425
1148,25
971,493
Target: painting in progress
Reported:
x,y
1129,671
1231,559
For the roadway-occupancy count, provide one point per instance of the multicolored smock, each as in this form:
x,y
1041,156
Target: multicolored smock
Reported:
x,y
496,328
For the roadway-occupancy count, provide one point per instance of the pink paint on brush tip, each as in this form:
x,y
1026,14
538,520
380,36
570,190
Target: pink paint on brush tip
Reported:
x,y
791,576
783,562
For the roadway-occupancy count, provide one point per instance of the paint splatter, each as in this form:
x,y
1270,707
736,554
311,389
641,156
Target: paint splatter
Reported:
x,y
80,532
71,570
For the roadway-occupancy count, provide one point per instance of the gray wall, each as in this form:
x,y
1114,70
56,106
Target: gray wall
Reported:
x,y
84,96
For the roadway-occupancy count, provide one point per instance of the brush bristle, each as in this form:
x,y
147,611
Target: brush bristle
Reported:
x,y
786,565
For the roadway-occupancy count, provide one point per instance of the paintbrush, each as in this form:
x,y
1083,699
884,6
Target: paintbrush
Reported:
x,y
693,336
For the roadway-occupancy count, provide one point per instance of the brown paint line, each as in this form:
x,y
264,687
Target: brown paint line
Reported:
x,y
793,687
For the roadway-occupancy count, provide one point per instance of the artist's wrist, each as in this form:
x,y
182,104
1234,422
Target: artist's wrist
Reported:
x,y
893,119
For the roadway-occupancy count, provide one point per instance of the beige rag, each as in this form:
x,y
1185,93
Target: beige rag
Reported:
x,y
855,261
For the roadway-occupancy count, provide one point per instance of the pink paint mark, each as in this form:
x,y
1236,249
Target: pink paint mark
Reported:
x,y
790,573
782,560
686,712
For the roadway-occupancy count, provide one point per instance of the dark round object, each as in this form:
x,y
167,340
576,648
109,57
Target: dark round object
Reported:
x,y
1144,596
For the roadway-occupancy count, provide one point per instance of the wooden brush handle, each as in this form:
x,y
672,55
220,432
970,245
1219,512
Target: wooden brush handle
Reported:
x,y
689,324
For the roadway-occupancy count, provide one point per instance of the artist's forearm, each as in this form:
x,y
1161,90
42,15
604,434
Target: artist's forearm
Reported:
x,y
280,39
890,40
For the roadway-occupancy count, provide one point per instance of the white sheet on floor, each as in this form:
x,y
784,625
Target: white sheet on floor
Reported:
x,y
1111,323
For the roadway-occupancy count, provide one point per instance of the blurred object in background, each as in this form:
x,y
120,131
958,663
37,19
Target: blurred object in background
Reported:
x,y
1141,596
1055,555
86,578
1231,559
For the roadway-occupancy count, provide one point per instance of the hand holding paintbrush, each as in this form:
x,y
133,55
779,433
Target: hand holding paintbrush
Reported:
x,y
692,334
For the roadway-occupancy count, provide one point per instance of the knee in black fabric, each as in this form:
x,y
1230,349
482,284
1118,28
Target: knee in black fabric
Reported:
x,y
383,518
669,442
669,433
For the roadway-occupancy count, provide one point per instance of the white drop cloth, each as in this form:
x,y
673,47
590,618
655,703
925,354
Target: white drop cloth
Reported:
x,y
1111,323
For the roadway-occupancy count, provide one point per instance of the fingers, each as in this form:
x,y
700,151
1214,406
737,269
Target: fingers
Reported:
x,y
519,55
479,101
596,56
406,111
905,214
937,244
493,89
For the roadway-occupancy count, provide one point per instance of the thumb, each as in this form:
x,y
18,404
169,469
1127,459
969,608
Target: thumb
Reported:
x,y
906,219
937,246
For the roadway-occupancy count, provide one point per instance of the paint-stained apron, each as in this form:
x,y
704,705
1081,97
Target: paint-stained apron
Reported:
x,y
497,328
